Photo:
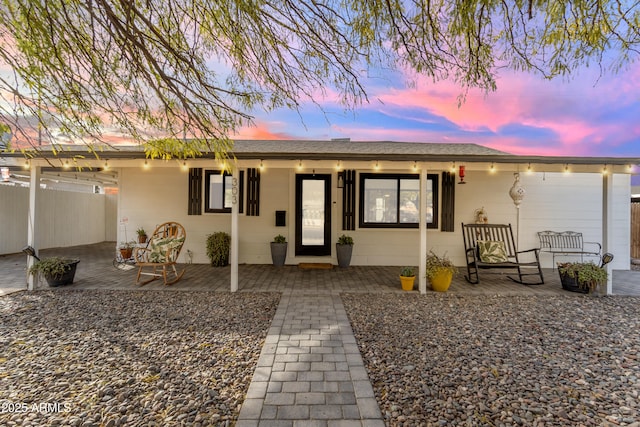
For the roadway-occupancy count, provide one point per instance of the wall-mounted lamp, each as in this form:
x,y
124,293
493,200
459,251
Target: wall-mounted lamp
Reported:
x,y
6,174
341,179
461,174
30,251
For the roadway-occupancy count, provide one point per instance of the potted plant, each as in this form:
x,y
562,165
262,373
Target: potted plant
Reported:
x,y
126,249
279,250
57,271
142,235
407,278
218,246
344,249
583,277
440,271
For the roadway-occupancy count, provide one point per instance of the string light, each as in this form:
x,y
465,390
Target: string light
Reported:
x,y
27,165
415,165
339,165
604,170
299,164
453,167
566,168
377,166
106,165
493,168
261,164
146,164
66,164
529,170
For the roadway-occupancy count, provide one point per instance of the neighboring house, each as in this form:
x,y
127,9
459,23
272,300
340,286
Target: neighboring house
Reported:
x,y
375,192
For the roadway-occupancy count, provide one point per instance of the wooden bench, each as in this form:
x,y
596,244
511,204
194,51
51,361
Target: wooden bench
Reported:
x,y
489,246
567,243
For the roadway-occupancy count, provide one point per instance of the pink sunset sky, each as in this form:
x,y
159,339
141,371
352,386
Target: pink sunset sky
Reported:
x,y
588,115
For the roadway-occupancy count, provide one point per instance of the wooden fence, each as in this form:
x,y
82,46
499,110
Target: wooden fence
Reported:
x,y
635,230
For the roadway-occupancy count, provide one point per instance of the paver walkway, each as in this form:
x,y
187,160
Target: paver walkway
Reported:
x,y
310,372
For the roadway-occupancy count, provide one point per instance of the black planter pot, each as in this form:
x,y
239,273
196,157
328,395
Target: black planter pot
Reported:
x,y
343,253
278,253
571,284
66,278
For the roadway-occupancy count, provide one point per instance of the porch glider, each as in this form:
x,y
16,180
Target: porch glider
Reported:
x,y
490,246
160,257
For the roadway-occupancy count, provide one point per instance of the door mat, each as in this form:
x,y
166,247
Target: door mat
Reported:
x,y
315,266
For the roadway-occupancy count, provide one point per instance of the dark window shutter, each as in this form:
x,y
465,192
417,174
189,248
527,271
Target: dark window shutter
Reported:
x,y
195,191
349,200
448,201
253,192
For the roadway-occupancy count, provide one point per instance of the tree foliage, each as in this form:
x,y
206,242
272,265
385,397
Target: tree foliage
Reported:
x,y
182,75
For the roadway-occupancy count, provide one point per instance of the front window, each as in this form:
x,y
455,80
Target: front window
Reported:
x,y
393,200
218,191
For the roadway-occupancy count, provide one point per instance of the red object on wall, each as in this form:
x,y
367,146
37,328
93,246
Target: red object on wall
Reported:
x,y
461,173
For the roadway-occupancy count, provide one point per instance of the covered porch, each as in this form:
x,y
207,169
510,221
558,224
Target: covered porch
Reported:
x,y
96,271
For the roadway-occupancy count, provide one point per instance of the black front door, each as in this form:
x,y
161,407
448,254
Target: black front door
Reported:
x,y
313,214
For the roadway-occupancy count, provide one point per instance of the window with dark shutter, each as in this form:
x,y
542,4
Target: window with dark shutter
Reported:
x,y
195,191
253,192
348,199
448,201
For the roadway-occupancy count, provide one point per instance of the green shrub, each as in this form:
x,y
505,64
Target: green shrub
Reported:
x,y
218,246
280,239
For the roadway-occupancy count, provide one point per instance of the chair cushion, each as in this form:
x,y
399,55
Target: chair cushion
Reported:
x,y
492,252
160,247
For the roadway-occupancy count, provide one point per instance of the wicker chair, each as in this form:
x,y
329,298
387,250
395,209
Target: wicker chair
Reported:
x,y
160,257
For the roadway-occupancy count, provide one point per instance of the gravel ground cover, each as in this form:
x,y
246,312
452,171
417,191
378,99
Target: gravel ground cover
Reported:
x,y
442,360
112,358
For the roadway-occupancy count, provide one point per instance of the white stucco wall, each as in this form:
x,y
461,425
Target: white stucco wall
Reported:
x,y
552,202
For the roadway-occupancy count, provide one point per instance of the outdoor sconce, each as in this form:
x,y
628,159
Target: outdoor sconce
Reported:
x,y
30,251
341,179
461,173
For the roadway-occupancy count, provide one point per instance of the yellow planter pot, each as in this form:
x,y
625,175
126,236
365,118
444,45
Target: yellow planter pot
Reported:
x,y
407,282
441,281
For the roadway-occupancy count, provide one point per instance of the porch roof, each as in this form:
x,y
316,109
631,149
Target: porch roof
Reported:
x,y
335,149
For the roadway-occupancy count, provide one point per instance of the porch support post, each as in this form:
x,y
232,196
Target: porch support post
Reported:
x,y
422,279
235,207
32,223
607,224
